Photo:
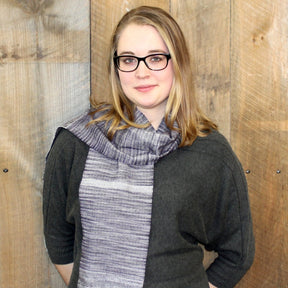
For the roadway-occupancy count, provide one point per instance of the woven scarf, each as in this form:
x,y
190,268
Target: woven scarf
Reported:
x,y
116,200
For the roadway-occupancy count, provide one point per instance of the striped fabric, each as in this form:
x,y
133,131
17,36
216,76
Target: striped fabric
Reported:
x,y
116,201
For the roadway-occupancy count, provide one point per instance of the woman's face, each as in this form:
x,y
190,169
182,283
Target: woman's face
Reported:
x,y
147,89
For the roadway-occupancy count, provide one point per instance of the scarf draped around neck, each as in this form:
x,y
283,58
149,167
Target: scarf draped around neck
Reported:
x,y
116,199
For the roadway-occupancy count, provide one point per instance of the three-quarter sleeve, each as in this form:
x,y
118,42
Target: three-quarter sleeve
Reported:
x,y
65,164
233,234
58,232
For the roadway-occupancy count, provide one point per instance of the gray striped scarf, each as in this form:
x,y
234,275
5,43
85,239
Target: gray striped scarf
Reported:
x,y
116,200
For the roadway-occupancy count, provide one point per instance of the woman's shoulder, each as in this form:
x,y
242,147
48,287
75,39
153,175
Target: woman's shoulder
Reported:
x,y
215,146
64,137
214,140
65,144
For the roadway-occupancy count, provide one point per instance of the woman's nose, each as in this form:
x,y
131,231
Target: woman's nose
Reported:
x,y
142,70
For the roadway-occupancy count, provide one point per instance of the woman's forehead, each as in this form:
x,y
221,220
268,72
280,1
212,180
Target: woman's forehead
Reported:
x,y
137,38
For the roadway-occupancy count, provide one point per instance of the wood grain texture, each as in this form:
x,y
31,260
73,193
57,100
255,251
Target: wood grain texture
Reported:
x,y
259,96
206,25
44,80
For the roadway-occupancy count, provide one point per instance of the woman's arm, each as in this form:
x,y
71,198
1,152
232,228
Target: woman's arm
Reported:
x,y
59,233
65,271
212,286
234,241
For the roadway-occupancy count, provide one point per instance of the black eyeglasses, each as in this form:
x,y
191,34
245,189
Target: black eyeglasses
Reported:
x,y
129,63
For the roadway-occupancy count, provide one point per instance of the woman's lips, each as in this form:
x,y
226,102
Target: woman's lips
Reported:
x,y
145,88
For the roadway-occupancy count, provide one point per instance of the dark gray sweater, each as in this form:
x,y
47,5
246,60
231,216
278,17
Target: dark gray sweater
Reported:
x,y
200,196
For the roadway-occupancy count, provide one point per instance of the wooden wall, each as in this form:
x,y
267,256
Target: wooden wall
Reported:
x,y
259,128
44,80
239,48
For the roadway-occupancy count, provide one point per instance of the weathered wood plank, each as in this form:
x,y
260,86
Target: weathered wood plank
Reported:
x,y
52,32
104,16
44,68
206,25
259,98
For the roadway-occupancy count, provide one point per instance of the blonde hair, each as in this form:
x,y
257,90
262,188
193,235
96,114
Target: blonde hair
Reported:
x,y
182,106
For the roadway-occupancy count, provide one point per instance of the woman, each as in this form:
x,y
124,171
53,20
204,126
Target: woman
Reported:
x,y
132,188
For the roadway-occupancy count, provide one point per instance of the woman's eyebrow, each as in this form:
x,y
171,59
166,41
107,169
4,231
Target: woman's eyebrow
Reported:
x,y
149,52
157,51
126,53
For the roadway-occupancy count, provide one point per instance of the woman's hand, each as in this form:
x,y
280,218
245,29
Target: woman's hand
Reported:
x,y
212,286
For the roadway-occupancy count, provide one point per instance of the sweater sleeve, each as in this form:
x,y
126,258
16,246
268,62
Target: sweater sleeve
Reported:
x,y
59,230
233,234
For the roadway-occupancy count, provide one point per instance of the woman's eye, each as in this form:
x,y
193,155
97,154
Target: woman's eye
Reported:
x,y
156,58
128,60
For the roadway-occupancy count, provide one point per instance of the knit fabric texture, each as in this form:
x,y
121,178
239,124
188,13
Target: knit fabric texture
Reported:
x,y
116,200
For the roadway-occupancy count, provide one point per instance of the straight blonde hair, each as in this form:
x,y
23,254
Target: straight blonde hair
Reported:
x,y
182,106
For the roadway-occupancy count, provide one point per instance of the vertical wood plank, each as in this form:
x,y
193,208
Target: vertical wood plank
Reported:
x,y
206,25
44,68
104,16
260,129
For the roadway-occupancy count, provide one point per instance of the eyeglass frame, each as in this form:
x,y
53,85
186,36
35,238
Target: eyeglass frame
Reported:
x,y
139,59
